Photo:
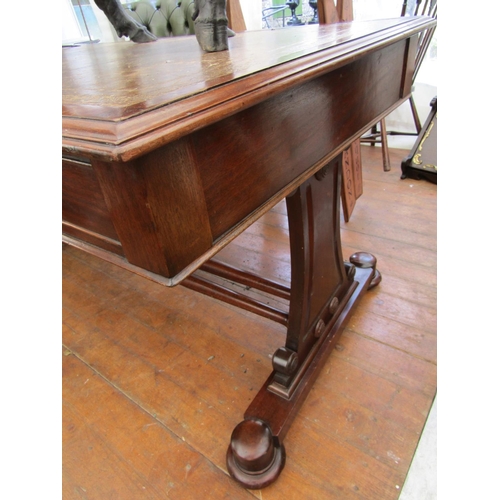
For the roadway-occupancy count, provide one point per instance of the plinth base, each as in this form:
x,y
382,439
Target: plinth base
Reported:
x,y
256,454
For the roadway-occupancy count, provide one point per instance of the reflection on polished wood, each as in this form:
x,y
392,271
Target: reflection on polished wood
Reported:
x,y
183,172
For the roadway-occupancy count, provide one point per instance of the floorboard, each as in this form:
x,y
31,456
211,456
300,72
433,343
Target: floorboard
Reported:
x,y
155,379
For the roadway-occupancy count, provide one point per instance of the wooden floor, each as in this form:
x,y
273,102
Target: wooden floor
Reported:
x,y
155,379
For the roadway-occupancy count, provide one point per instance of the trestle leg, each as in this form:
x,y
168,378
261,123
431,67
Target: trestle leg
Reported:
x,y
324,293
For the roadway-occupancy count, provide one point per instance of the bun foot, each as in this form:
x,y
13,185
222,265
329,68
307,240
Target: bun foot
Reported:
x,y
255,458
363,259
367,260
377,278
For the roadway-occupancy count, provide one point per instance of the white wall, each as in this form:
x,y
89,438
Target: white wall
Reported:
x,y
252,12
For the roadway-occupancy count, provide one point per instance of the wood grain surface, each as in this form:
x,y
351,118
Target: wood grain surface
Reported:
x,y
126,99
156,378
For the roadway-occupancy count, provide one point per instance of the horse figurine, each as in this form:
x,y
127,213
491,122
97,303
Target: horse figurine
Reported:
x,y
210,22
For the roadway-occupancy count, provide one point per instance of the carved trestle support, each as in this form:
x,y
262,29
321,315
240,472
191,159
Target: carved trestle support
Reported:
x,y
323,294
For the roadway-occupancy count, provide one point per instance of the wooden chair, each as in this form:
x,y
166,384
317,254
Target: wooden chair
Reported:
x,y
379,135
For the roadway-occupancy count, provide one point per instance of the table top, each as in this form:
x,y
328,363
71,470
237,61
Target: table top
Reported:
x,y
123,99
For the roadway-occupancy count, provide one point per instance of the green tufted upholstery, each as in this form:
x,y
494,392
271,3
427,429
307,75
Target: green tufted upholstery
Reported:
x,y
164,17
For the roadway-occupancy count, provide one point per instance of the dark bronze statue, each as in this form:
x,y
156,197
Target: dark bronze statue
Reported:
x,y
210,21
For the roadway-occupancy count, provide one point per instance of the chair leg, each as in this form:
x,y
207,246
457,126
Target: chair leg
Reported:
x,y
414,112
385,149
373,135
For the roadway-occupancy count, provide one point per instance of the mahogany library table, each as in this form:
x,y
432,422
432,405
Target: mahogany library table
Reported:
x,y
169,153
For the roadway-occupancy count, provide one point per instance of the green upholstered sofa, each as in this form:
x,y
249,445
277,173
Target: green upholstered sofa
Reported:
x,y
164,17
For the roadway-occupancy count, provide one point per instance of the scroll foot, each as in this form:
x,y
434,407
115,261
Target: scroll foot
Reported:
x,y
367,260
255,458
